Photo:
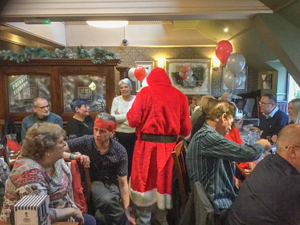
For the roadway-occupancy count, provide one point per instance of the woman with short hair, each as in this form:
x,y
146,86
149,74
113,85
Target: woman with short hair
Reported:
x,y
120,106
41,170
81,123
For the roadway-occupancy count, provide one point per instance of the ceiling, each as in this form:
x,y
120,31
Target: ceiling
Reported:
x,y
207,17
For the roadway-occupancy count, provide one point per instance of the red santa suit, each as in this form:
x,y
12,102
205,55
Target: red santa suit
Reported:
x,y
158,109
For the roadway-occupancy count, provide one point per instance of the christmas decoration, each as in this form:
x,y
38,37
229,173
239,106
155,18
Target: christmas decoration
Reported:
x,y
97,55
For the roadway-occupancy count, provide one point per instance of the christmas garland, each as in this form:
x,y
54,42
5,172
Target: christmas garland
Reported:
x,y
97,55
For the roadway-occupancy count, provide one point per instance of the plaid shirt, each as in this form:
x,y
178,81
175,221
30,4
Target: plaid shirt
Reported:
x,y
210,160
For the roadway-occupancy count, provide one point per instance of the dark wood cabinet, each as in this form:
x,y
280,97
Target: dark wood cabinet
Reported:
x,y
20,83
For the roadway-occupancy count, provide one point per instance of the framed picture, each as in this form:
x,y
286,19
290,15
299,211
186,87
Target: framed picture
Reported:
x,y
243,86
85,93
191,76
148,65
266,80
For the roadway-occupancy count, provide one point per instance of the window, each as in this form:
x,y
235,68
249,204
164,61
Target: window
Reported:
x,y
293,90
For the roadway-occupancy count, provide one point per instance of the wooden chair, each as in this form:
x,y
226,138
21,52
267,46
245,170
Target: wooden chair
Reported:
x,y
181,174
86,184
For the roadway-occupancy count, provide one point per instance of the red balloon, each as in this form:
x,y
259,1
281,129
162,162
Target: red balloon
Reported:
x,y
223,50
140,73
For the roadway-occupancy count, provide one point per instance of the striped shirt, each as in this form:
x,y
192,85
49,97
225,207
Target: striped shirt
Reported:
x,y
210,159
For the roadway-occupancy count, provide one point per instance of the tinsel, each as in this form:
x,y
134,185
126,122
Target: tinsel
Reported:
x,y
97,55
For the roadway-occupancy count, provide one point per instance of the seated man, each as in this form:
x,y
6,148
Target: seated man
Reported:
x,y
210,157
272,119
271,194
42,114
108,171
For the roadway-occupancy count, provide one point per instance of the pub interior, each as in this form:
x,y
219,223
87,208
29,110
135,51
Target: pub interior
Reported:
x,y
53,61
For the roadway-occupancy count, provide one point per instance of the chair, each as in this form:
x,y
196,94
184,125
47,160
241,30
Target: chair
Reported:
x,y
85,181
181,175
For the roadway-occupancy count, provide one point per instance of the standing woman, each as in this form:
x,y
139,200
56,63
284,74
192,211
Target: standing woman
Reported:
x,y
294,111
120,106
81,123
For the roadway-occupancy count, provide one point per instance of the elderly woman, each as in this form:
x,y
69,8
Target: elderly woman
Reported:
x,y
120,106
41,170
294,111
81,123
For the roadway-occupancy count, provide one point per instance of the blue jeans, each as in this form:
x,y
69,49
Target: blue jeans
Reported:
x,y
89,220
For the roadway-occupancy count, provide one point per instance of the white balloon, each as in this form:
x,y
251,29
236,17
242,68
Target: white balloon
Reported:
x,y
131,74
231,81
236,63
242,76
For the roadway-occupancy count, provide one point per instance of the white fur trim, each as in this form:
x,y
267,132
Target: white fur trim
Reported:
x,y
148,198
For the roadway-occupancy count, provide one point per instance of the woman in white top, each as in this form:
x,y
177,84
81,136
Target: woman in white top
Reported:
x,y
120,106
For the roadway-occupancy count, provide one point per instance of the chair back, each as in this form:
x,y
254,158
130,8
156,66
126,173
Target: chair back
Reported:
x,y
181,174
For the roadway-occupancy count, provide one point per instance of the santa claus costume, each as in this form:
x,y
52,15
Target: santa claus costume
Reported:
x,y
160,114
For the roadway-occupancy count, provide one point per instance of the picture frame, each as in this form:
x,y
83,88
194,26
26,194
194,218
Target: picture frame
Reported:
x,y
266,81
190,76
242,86
149,65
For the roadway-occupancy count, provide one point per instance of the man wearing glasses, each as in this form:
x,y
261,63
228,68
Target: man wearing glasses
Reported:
x,y
272,119
42,114
270,195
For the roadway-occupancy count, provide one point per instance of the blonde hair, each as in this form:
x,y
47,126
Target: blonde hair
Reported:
x,y
207,102
197,98
218,110
224,95
40,138
295,118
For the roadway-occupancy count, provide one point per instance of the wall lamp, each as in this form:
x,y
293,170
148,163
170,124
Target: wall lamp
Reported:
x,y
161,62
215,63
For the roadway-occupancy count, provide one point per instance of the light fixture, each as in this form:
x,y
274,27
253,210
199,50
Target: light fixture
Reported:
x,y
38,20
226,29
107,24
161,62
215,63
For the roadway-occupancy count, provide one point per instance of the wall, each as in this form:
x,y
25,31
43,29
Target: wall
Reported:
x,y
129,55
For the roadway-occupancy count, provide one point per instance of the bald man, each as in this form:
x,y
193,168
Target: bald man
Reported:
x,y
271,194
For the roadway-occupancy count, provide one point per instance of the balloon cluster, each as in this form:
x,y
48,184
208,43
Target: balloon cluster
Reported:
x,y
234,76
138,73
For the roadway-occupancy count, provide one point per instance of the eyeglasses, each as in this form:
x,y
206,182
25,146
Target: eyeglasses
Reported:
x,y
297,146
43,107
264,103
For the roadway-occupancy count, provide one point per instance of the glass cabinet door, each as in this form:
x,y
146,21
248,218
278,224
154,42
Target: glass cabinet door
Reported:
x,y
89,87
23,89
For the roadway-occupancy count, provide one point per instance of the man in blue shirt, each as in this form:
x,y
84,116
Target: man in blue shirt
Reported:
x,y
211,158
272,119
42,114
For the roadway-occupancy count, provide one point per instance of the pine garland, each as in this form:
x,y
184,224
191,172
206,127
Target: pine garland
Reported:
x,y
97,55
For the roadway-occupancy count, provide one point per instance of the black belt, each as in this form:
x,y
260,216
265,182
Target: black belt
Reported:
x,y
158,138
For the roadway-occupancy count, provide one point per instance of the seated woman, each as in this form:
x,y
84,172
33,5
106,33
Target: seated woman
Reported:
x,y
41,170
81,123
294,111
